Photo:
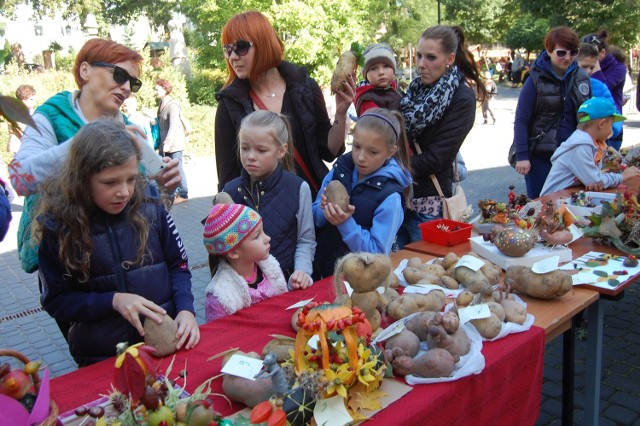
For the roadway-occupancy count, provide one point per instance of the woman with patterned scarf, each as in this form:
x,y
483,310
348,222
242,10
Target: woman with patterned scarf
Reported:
x,y
439,109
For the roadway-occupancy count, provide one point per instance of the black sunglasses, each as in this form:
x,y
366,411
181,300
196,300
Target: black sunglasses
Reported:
x,y
121,76
240,48
561,53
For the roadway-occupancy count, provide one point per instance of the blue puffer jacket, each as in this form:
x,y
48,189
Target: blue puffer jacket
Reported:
x,y
276,198
96,327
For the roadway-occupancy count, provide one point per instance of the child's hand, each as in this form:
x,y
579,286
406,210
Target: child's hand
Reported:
x,y
187,329
131,306
299,280
630,173
169,177
335,215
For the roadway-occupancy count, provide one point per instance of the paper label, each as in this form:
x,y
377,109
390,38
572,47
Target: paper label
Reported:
x,y
313,342
300,304
470,262
331,411
473,312
243,366
348,287
381,289
546,265
575,232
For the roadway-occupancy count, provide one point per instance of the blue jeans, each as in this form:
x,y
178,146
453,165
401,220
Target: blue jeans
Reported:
x,y
182,190
410,230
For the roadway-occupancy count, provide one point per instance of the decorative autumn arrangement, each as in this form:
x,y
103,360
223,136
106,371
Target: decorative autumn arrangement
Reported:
x,y
142,397
24,398
618,223
512,211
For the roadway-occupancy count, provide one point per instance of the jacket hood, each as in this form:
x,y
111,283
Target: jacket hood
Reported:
x,y
393,170
573,143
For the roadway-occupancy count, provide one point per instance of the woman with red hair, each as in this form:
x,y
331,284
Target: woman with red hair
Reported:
x,y
259,78
546,113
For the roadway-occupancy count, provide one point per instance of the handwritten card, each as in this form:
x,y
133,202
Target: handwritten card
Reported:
x,y
243,366
331,411
473,312
470,262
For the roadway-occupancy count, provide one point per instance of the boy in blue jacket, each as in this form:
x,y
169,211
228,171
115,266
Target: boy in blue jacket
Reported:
x,y
579,158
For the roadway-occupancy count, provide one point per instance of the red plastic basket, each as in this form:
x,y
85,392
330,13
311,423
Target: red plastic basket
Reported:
x,y
455,232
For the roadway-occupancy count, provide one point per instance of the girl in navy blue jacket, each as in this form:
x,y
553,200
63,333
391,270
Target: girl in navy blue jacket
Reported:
x,y
108,258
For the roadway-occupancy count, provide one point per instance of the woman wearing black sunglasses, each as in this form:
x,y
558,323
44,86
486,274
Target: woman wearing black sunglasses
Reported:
x,y
260,79
610,71
106,73
547,106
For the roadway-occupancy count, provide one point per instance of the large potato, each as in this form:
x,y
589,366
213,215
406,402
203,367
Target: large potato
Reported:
x,y
347,64
162,337
543,286
364,271
337,195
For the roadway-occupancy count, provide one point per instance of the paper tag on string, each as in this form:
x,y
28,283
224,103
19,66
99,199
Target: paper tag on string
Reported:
x,y
470,262
331,411
546,265
473,312
392,330
243,366
348,287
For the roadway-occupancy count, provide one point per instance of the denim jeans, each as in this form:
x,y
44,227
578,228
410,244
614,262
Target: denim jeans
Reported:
x,y
182,190
410,230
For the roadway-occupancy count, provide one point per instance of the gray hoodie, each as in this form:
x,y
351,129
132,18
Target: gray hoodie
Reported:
x,y
573,164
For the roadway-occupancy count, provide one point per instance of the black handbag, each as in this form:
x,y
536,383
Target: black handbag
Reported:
x,y
535,147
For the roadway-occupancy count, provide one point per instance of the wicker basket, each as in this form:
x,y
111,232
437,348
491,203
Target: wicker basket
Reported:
x,y
35,378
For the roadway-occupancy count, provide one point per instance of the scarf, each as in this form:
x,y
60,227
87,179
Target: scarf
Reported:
x,y
423,105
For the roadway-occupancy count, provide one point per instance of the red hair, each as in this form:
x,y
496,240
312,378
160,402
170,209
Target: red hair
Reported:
x,y
164,84
561,35
254,27
103,50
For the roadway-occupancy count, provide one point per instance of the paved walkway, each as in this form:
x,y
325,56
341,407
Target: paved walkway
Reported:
x,y
25,327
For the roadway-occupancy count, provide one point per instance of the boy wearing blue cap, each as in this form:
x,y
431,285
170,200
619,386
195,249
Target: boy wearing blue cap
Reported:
x,y
579,158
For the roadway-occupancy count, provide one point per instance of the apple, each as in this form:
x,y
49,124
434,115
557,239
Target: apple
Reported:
x,y
163,416
16,383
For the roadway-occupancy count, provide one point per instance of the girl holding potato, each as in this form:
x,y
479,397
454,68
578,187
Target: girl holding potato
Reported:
x,y
268,185
377,178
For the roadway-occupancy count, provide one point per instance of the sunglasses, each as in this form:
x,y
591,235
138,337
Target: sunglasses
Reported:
x,y
240,48
121,76
561,53
592,39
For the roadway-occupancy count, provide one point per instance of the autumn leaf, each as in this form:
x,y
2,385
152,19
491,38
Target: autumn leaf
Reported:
x,y
600,273
613,283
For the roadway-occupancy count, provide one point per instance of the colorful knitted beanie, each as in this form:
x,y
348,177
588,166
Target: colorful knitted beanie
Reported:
x,y
227,225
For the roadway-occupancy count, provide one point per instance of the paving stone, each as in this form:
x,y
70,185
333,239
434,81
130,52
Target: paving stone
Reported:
x,y
620,415
552,407
624,399
620,368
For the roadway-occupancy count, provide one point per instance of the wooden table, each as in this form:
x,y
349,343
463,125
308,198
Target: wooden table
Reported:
x,y
595,310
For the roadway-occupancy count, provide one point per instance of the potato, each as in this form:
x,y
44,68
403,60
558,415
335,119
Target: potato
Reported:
x,y
449,282
432,269
415,275
162,337
403,343
450,260
408,304
337,195
280,348
464,298
543,286
245,391
347,64
473,280
430,279
414,262
513,311
488,327
367,302
391,281
433,363
497,310
364,271
457,344
419,324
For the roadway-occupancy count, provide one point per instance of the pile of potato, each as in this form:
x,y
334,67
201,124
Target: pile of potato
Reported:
x,y
446,339
443,272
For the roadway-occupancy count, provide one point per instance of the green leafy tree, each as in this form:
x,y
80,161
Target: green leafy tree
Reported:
x,y
478,18
527,33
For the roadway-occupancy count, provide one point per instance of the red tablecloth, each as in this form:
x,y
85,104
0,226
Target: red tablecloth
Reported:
x,y
508,390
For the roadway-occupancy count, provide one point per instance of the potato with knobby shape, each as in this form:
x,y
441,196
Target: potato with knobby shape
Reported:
x,y
347,64
433,363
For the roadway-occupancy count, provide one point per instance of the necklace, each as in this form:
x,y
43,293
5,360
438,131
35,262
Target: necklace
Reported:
x,y
251,278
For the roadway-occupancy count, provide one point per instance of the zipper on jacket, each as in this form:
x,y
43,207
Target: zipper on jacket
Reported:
x,y
120,281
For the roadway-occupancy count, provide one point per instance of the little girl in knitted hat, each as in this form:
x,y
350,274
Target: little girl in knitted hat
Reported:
x,y
242,270
379,87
